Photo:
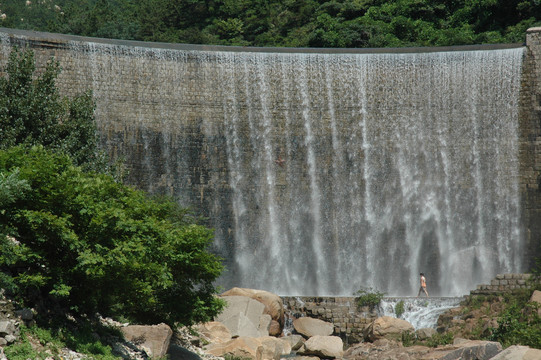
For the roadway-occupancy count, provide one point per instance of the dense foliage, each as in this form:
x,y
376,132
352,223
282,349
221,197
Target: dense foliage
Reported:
x,y
32,112
520,322
92,245
299,23
368,297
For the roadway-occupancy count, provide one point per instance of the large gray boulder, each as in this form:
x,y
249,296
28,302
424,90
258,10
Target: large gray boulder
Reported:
x,y
517,352
153,339
536,298
8,327
474,350
273,347
323,347
244,316
253,309
272,302
240,325
387,327
311,327
241,347
214,332
425,333
295,341
392,350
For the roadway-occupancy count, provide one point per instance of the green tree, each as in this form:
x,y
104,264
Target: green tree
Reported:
x,y
87,243
301,23
32,112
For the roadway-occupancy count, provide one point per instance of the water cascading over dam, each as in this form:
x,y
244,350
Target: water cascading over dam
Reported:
x,y
323,172
364,170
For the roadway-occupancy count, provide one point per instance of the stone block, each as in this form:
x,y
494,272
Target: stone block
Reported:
x,y
153,339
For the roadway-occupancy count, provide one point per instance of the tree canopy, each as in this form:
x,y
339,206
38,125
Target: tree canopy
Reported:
x,y
32,112
93,245
284,23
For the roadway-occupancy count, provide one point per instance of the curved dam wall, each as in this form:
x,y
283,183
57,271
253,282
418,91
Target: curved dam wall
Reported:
x,y
324,171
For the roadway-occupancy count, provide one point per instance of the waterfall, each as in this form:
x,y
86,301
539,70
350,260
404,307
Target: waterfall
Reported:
x,y
393,164
324,173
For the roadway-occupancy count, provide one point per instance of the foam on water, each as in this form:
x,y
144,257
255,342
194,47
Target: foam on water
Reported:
x,y
420,312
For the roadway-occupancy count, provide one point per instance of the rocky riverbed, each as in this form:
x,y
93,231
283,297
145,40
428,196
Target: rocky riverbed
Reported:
x,y
251,327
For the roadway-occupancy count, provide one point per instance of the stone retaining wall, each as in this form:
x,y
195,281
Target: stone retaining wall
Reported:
x,y
349,320
504,283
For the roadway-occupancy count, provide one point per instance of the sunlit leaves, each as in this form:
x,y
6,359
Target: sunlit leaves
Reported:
x,y
96,245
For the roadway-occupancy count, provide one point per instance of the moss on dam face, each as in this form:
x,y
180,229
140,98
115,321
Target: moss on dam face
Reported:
x,y
324,171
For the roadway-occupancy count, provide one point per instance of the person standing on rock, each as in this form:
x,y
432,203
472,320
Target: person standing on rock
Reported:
x,y
423,285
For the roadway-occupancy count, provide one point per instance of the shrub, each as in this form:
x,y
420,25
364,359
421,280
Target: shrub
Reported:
x,y
399,309
368,297
92,245
520,323
408,338
440,339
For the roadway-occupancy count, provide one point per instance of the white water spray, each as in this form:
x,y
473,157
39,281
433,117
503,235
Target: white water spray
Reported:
x,y
393,164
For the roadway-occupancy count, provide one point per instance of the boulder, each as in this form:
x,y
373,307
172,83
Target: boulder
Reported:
x,y
272,302
177,352
425,333
8,327
384,349
240,325
241,347
25,314
214,332
242,316
154,339
323,347
241,304
264,324
391,350
517,352
274,348
311,327
295,341
274,328
473,350
387,327
536,298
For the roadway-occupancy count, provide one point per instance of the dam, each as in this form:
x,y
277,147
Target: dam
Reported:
x,y
323,171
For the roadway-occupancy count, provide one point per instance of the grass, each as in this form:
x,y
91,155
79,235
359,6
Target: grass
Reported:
x,y
40,343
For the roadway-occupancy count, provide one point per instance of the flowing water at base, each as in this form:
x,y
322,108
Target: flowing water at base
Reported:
x,y
421,312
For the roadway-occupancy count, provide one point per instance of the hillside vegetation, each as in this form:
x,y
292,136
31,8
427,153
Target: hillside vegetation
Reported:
x,y
283,23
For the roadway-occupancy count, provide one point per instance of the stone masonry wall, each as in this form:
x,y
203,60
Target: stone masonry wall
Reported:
x,y
530,144
504,283
349,321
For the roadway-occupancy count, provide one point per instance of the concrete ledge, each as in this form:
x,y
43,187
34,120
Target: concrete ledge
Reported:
x,y
54,40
